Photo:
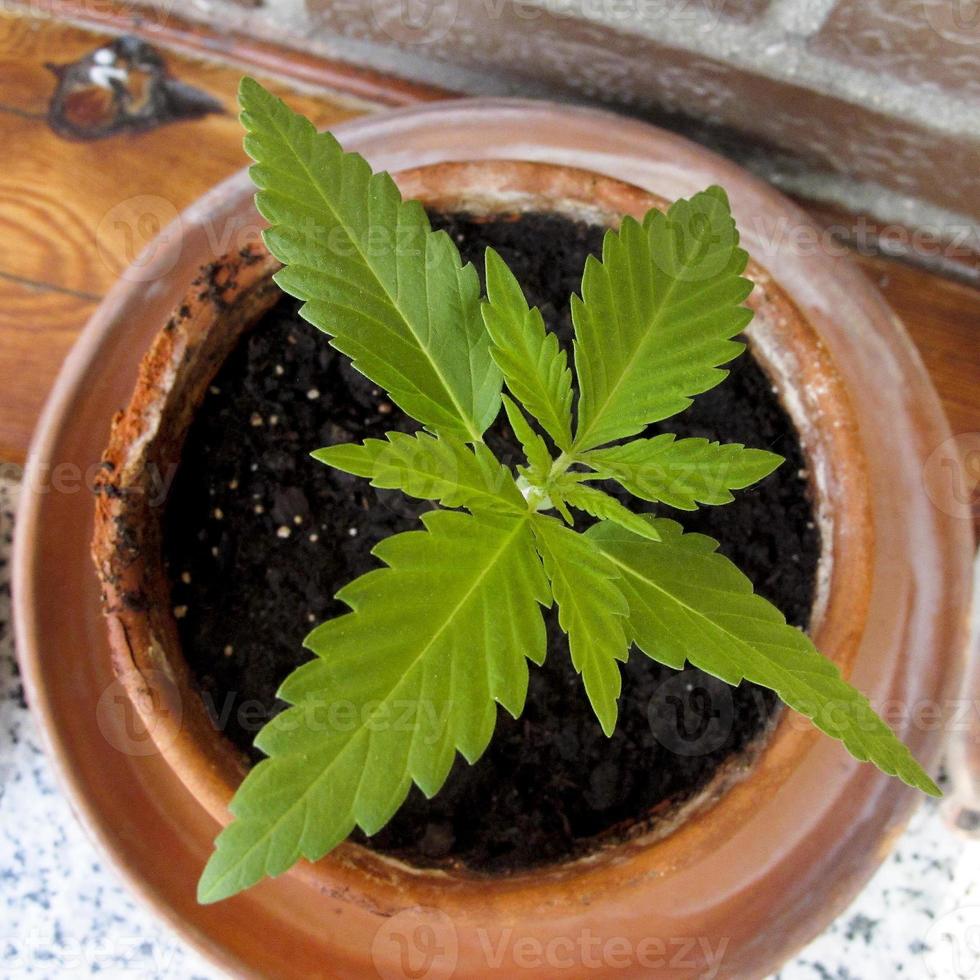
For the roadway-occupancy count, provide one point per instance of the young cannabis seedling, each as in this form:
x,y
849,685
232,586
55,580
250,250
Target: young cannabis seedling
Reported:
x,y
443,631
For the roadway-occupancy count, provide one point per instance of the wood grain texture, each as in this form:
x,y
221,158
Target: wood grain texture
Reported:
x,y
37,328
943,318
75,214
164,27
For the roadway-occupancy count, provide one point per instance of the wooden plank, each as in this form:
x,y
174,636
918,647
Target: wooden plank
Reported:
x,y
943,318
37,327
27,44
164,27
76,213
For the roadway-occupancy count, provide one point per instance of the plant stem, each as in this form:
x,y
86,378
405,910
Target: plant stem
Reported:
x,y
559,466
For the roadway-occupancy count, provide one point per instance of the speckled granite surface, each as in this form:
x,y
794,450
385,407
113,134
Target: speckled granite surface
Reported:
x,y
63,913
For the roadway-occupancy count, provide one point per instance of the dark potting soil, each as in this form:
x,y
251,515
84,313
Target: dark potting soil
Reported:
x,y
259,537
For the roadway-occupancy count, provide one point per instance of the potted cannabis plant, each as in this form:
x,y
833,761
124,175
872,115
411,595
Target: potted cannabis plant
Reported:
x,y
449,620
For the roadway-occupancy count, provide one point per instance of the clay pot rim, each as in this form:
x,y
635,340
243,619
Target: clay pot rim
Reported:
x,y
801,855
147,656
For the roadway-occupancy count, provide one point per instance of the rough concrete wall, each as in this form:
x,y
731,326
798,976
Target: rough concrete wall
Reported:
x,y
870,104
934,44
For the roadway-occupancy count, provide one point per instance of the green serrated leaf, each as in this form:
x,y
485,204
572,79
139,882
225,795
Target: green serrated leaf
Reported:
x,y
682,472
656,317
535,448
591,610
407,678
599,504
562,508
429,467
393,294
534,366
687,602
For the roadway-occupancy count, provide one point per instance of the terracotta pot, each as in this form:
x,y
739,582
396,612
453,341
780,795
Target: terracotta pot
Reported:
x,y
759,863
231,294
146,441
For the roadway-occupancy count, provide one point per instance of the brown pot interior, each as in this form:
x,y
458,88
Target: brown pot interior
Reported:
x,y
145,445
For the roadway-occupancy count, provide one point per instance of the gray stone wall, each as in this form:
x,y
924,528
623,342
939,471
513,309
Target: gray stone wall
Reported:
x,y
873,105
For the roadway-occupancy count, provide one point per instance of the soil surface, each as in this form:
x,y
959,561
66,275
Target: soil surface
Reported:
x,y
259,537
